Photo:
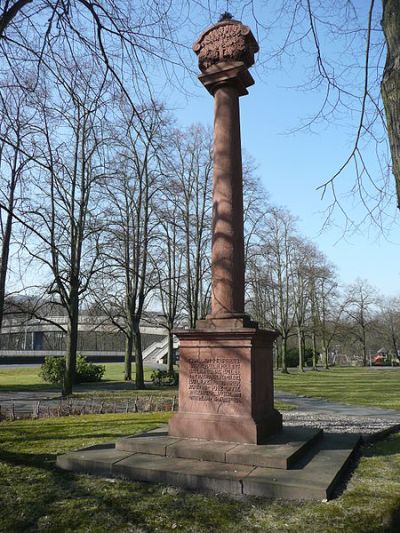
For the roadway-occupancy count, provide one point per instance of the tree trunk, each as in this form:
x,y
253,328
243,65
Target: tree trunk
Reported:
x,y
137,343
395,350
72,346
365,357
283,355
314,350
4,267
275,355
128,357
5,252
364,345
300,348
326,356
390,86
170,356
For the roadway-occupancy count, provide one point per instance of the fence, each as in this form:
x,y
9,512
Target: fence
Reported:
x,y
75,406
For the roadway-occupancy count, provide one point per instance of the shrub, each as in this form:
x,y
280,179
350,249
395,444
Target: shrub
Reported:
x,y
88,372
292,357
162,378
53,368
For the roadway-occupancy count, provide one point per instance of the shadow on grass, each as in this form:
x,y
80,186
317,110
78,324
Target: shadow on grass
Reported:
x,y
65,496
32,387
65,487
389,447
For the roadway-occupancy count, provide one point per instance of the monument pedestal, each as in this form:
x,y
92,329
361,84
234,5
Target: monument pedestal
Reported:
x,y
226,388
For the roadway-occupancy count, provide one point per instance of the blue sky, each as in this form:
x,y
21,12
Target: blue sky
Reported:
x,y
292,166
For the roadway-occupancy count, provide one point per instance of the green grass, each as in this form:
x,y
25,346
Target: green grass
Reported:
x,y
35,496
360,386
28,379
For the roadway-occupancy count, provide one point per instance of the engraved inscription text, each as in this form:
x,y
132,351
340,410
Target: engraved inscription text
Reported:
x,y
215,379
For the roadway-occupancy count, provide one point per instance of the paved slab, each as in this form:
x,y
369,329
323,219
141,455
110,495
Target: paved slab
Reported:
x,y
152,445
314,475
188,473
280,451
95,460
201,450
316,478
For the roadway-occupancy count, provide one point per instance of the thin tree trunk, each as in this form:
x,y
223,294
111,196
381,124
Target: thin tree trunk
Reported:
x,y
390,86
137,343
283,355
5,249
275,352
314,350
365,357
128,357
170,356
300,348
326,357
5,252
395,350
364,346
72,345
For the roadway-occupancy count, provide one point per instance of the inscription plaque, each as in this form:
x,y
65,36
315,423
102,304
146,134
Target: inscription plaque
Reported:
x,y
215,379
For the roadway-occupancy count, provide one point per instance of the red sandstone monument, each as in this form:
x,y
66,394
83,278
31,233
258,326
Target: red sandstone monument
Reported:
x,y
226,389
226,376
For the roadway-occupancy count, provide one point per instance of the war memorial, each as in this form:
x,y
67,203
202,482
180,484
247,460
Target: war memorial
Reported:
x,y
226,436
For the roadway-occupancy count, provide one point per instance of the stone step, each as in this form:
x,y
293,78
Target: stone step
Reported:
x,y
314,476
280,451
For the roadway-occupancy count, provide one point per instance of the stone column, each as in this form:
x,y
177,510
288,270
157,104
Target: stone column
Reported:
x,y
226,376
227,243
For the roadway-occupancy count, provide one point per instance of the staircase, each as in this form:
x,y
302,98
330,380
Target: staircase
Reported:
x,y
155,353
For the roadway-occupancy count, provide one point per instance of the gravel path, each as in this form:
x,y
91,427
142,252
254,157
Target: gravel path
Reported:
x,y
367,426
335,417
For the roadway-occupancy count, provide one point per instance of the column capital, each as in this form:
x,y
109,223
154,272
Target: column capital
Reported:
x,y
227,41
226,52
232,73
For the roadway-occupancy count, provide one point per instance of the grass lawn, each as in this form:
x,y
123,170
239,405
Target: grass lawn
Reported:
x,y
112,387
35,496
28,379
362,386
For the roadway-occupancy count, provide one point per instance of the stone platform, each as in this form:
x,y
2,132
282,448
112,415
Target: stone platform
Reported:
x,y
298,463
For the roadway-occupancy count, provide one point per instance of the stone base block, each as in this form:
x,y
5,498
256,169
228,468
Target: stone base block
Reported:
x,y
314,474
225,428
282,450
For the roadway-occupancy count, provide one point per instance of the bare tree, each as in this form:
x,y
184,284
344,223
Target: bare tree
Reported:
x,y
362,299
66,205
275,275
128,275
389,323
169,265
191,168
302,258
328,308
126,39
14,166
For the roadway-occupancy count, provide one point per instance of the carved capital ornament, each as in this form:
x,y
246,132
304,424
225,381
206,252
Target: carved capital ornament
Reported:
x,y
225,52
226,41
